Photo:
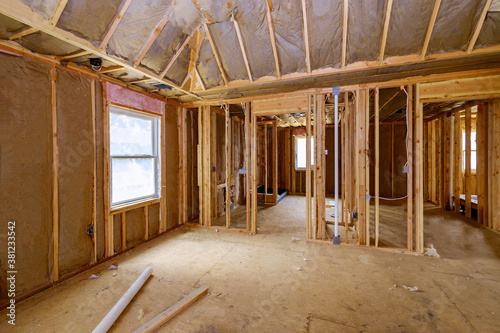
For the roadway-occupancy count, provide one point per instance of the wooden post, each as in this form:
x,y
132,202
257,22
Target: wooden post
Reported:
x,y
446,162
480,165
266,163
124,230
228,167
308,170
287,165
315,172
409,182
214,167
254,173
377,165
392,160
55,176
146,222
418,173
348,174
247,162
208,165
495,198
163,199
184,192
468,165
367,166
293,188
94,171
275,162
108,219
458,161
361,107
201,165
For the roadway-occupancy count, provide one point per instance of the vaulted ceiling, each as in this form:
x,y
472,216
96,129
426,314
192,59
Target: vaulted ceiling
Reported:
x,y
214,49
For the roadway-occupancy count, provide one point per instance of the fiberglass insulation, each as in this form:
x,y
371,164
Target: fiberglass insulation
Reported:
x,y
177,73
182,21
207,66
89,19
46,8
46,44
324,19
455,22
9,27
490,34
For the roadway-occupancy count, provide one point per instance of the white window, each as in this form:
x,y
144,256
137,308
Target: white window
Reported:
x,y
472,151
300,152
134,155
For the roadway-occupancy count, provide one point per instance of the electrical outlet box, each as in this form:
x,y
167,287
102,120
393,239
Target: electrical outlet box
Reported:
x,y
354,215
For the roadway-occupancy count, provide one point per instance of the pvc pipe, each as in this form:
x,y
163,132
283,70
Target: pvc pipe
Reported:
x,y
452,134
336,165
115,312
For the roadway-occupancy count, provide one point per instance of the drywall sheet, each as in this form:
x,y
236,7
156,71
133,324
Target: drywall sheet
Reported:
x,y
45,8
325,19
9,27
89,19
408,26
365,26
251,16
119,95
76,165
288,28
228,47
136,226
26,170
99,140
172,165
207,66
183,21
154,219
179,70
454,25
46,44
134,29
489,35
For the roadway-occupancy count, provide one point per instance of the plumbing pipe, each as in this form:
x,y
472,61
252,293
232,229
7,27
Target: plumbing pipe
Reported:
x,y
115,312
336,165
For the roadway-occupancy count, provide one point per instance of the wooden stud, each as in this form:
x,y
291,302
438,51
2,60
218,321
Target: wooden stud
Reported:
x,y
216,55
458,161
213,167
377,166
273,37
108,219
480,160
316,225
146,222
247,163
479,26
208,166
25,32
495,197
308,171
152,37
94,171
57,13
55,176
344,33
293,158
468,165
392,160
443,164
175,56
124,230
430,28
386,29
418,173
184,152
409,183
254,173
266,163
163,199
306,36
367,166
361,164
228,167
242,47
114,25
275,162
490,152
201,165
348,175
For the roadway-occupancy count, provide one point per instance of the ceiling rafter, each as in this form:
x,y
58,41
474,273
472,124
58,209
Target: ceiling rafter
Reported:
x,y
344,33
110,69
195,45
153,35
74,55
57,13
216,55
306,36
114,25
430,28
23,13
209,19
200,80
176,55
386,30
25,32
273,37
242,47
479,26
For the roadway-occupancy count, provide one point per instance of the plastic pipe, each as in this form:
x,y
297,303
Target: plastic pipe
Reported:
x,y
116,311
336,165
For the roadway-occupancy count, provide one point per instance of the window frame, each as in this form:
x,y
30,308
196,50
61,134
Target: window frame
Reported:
x,y
156,153
296,138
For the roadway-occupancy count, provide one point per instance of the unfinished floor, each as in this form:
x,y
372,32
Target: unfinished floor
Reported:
x,y
269,283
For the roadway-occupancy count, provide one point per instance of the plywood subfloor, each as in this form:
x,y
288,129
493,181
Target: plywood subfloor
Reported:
x,y
269,283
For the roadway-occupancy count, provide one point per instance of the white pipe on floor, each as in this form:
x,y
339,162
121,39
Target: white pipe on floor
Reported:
x,y
336,165
116,311
452,127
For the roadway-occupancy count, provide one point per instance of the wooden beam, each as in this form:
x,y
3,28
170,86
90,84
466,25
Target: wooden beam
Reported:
x,y
273,37
73,56
55,176
409,181
377,167
480,166
344,33
110,69
242,47
25,32
106,179
228,165
216,55
163,200
247,163
430,28
175,56
308,171
94,171
462,89
418,173
57,13
152,36
479,26
457,161
468,165
306,36
114,25
386,29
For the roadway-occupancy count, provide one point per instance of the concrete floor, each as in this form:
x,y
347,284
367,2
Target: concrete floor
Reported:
x,y
269,283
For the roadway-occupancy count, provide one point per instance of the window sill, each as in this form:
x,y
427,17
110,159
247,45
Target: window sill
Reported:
x,y
133,205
